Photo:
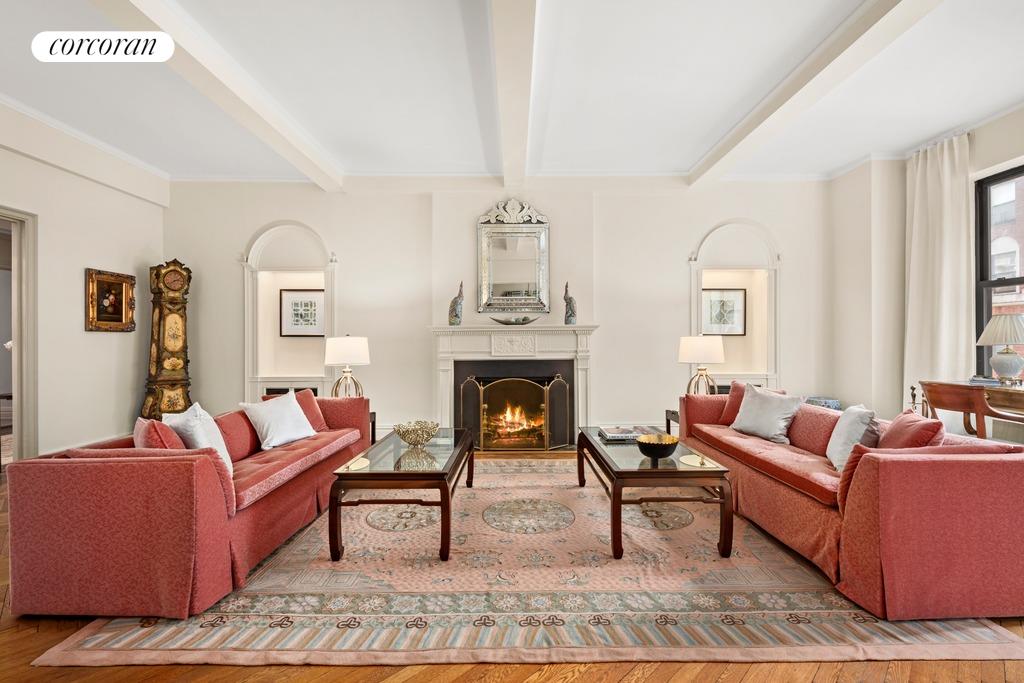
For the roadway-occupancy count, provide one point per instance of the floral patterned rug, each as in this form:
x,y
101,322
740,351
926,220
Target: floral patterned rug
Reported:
x,y
531,579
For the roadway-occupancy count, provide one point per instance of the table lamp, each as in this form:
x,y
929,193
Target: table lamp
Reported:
x,y
347,351
702,351
1004,329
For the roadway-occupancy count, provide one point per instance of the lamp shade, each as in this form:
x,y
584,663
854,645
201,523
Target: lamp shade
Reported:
x,y
347,351
701,350
1004,328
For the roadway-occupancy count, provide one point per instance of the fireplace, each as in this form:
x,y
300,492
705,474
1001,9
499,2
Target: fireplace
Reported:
x,y
515,405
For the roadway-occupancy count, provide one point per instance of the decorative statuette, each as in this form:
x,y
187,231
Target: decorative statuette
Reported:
x,y
455,309
570,307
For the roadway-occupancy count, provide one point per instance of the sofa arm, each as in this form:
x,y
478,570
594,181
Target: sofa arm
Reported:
x,y
351,412
117,537
934,536
700,409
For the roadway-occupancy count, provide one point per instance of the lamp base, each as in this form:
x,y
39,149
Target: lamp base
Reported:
x,y
702,383
1007,365
347,385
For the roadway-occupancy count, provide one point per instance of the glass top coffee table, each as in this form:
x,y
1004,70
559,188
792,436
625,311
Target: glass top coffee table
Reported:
x,y
620,466
393,464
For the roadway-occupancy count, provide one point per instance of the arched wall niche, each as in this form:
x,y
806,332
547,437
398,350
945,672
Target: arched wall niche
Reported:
x,y
741,254
284,254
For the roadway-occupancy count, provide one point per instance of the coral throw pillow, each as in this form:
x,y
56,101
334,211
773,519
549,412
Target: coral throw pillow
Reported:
x,y
910,430
981,448
307,401
155,434
732,404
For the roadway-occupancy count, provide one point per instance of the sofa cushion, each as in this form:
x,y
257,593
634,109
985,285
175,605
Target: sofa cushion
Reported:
x,y
766,414
155,434
974,447
802,470
278,422
910,430
261,473
856,425
310,408
239,434
223,474
812,427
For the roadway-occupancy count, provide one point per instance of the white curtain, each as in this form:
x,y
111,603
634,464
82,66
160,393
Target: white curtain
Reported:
x,y
939,341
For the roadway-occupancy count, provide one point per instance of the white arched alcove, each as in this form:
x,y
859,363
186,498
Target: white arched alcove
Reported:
x,y
285,254
741,254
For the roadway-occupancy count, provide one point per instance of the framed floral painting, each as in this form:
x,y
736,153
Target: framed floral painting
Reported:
x,y
302,313
109,301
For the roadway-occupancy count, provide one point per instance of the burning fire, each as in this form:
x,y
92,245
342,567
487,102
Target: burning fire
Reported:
x,y
514,419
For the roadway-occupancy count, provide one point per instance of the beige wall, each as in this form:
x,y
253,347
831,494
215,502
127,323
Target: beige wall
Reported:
x,y
402,255
285,356
998,143
866,285
746,353
90,383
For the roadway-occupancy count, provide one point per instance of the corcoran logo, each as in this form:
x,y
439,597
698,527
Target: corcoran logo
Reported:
x,y
102,46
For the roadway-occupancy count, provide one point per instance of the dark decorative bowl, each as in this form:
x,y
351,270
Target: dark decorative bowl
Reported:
x,y
657,445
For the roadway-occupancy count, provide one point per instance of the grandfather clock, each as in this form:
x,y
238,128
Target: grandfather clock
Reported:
x,y
168,382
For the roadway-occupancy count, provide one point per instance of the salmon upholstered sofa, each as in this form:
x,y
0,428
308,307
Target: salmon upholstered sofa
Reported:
x,y
912,534
114,530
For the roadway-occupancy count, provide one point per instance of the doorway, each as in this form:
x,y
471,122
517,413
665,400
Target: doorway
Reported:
x,y
7,228
19,438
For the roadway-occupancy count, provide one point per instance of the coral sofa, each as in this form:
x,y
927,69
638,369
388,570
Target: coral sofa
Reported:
x,y
906,535
115,530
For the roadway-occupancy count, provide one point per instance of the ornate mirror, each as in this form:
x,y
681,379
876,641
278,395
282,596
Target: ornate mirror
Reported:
x,y
513,244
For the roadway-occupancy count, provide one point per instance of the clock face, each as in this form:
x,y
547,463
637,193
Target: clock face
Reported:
x,y
174,280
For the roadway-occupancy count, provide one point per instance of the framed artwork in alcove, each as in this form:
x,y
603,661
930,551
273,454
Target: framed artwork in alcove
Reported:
x,y
302,313
724,312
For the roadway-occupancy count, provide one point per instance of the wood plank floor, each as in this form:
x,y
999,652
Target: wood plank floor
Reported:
x,y
22,639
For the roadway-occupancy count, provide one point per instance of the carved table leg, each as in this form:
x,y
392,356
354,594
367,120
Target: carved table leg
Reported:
x,y
334,521
580,466
617,521
446,521
725,523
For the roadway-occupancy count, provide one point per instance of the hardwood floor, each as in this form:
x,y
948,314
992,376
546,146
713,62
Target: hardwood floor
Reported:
x,y
22,639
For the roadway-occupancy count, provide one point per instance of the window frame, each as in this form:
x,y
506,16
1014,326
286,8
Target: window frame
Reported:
x,y
984,286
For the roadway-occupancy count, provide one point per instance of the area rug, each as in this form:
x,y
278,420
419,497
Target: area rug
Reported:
x,y
531,579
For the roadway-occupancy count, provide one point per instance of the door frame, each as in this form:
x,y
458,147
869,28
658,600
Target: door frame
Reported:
x,y
24,326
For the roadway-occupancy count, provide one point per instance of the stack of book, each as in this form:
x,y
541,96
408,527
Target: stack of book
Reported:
x,y
978,380
625,434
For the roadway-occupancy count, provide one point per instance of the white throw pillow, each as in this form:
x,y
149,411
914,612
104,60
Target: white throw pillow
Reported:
x,y
766,414
278,421
856,425
197,429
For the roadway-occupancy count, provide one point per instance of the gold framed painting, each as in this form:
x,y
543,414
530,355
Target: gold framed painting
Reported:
x,y
109,301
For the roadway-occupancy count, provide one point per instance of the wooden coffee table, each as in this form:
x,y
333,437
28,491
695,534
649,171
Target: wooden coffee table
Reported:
x,y
620,466
392,464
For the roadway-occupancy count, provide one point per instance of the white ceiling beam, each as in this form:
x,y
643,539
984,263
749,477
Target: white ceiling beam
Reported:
x,y
513,25
201,60
872,28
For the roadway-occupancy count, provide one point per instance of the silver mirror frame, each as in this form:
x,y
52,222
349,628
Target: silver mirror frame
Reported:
x,y
512,218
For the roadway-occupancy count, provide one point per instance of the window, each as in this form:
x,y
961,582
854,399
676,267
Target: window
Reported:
x,y
1000,225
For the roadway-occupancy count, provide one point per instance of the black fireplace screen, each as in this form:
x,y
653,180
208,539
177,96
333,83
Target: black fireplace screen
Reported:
x,y
514,413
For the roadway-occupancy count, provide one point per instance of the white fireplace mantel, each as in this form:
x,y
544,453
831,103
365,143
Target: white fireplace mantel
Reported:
x,y
496,342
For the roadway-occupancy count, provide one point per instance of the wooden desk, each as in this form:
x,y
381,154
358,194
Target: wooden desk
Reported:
x,y
1003,403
